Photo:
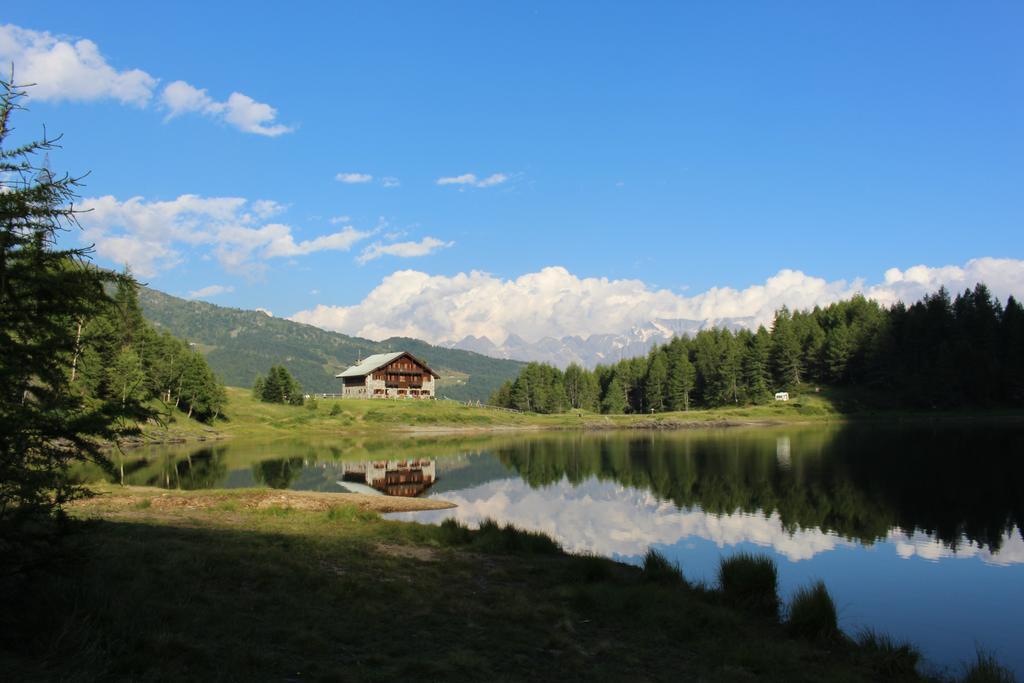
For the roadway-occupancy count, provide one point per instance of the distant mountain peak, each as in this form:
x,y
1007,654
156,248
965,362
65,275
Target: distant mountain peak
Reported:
x,y
599,347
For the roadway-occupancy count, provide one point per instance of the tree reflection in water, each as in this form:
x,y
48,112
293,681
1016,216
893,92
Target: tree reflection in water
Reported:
x,y
279,473
858,481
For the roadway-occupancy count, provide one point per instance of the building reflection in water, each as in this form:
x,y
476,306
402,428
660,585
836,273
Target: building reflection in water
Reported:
x,y
407,478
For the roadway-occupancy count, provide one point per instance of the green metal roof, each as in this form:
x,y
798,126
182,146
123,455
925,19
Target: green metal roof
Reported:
x,y
377,360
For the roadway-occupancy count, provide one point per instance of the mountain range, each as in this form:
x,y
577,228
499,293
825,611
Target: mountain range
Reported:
x,y
597,348
241,344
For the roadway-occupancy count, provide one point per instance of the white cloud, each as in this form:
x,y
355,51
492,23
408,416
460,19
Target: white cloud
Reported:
x,y
210,290
343,240
427,245
151,236
353,178
470,180
64,68
606,518
239,110
555,303
390,181
492,180
336,220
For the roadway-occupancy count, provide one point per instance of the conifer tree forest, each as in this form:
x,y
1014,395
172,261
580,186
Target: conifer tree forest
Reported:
x,y
278,387
940,352
122,357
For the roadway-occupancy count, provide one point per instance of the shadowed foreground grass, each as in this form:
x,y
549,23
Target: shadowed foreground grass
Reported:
x,y
226,592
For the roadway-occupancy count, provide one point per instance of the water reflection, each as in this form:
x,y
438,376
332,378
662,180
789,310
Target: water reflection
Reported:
x,y
915,528
279,473
959,486
407,478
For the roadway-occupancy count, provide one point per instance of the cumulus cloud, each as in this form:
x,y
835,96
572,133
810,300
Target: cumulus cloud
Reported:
x,y
427,245
211,290
556,303
606,518
65,68
353,178
239,110
390,181
153,236
470,180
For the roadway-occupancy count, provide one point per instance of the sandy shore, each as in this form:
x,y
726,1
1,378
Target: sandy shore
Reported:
x,y
160,499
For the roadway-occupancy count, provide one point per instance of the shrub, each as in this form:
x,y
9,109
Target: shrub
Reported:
x,y
590,569
452,532
335,409
658,569
985,669
492,537
812,613
888,658
750,582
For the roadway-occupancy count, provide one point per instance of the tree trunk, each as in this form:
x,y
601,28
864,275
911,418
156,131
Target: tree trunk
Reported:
x,y
78,350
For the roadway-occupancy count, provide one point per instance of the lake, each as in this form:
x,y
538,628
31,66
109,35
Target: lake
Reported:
x,y
915,528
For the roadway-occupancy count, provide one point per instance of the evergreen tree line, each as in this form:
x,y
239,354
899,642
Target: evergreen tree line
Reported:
x,y
937,353
120,357
278,387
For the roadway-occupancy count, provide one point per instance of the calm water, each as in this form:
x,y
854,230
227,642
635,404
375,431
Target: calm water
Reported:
x,y
916,530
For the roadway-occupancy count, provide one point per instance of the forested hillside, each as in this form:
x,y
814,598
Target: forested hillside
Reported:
x,y
240,344
940,352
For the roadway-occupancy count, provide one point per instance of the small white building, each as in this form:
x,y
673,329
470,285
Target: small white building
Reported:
x,y
781,395
388,375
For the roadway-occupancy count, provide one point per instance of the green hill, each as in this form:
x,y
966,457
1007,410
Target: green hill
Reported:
x,y
240,344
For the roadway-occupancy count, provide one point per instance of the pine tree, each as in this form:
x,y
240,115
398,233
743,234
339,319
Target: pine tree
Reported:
x,y
45,295
1011,351
680,376
786,350
656,381
836,353
614,401
756,366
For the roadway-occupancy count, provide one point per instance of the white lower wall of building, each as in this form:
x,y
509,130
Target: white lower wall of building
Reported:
x,y
376,388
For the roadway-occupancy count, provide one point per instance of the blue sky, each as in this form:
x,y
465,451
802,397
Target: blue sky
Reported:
x,y
687,146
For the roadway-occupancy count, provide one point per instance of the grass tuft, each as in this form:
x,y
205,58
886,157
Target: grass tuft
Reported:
x,y
887,657
658,569
985,669
350,513
812,614
590,569
492,537
276,511
750,582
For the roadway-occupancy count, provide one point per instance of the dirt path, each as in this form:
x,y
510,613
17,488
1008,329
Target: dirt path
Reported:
x,y
159,499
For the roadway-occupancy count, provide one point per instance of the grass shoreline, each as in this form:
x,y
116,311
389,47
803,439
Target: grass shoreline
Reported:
x,y
247,417
216,588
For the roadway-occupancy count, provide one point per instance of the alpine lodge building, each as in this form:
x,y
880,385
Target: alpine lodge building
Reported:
x,y
388,375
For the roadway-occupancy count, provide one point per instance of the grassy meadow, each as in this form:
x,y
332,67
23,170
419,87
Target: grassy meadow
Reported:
x,y
161,585
246,416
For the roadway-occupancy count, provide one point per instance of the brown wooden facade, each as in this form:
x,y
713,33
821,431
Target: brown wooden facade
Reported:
x,y
401,376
